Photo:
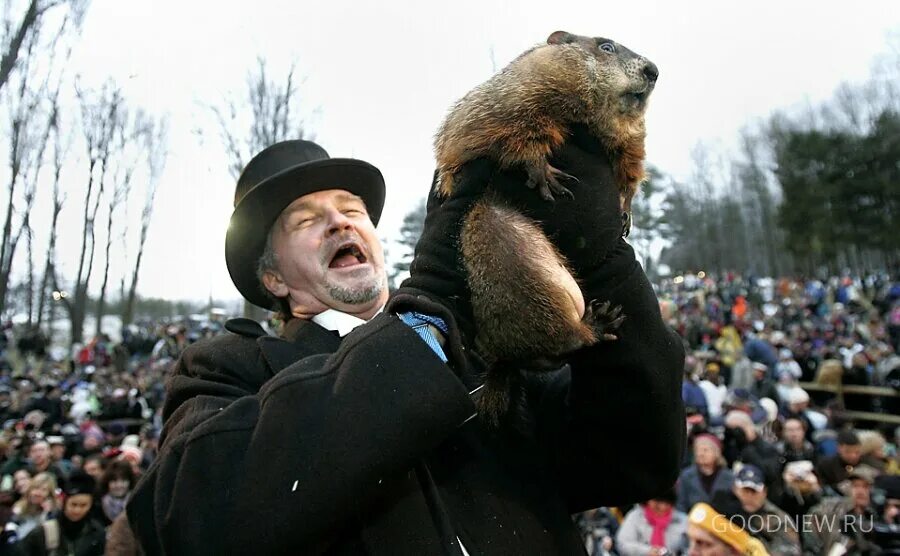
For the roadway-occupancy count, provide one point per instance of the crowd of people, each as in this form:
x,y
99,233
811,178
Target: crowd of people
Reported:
x,y
774,467
78,433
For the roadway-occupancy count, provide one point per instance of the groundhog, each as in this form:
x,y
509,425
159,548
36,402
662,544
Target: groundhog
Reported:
x,y
522,114
528,308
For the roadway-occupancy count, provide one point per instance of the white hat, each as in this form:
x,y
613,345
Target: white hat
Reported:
x,y
797,395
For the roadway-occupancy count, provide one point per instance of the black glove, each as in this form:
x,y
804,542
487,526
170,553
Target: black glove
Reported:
x,y
585,227
437,283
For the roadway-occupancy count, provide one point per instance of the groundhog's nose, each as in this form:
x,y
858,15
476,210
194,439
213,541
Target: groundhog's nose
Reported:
x,y
651,72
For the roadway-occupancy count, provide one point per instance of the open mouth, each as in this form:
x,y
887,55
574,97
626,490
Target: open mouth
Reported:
x,y
349,254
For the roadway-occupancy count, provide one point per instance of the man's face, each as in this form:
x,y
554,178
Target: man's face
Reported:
x,y
793,432
704,543
751,499
39,453
860,492
327,256
850,453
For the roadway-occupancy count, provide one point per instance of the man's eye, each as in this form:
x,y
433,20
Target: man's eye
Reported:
x,y
608,47
353,211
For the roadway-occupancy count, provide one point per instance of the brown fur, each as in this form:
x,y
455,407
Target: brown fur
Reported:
x,y
527,319
520,116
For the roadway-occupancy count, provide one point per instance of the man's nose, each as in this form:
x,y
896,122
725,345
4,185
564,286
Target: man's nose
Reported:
x,y
338,222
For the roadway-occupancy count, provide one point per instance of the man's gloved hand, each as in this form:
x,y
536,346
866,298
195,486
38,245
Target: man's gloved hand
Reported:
x,y
586,226
437,283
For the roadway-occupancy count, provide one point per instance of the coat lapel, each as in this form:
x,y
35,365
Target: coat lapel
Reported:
x,y
301,339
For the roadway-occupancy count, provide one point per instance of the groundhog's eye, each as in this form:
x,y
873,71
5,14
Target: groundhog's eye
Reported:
x,y
608,47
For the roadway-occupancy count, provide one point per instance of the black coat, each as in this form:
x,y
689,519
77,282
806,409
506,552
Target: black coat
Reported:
x,y
364,445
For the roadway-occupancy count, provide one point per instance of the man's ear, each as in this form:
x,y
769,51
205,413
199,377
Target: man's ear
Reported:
x,y
274,283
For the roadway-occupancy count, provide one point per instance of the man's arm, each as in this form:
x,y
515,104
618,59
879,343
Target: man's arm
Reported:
x,y
614,423
284,468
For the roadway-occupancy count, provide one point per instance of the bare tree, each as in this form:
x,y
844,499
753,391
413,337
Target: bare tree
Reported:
x,y
60,148
155,147
20,30
126,162
101,118
273,117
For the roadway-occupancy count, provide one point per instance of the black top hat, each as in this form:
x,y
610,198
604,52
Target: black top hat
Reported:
x,y
271,181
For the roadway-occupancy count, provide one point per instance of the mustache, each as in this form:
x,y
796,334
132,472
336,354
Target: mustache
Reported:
x,y
331,245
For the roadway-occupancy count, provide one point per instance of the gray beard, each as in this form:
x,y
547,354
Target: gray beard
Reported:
x,y
356,296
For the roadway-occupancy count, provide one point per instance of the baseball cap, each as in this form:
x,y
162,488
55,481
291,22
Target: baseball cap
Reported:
x,y
750,476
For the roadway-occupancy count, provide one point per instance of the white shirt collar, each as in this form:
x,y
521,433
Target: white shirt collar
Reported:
x,y
340,322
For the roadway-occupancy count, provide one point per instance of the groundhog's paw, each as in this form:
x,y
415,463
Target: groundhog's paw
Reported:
x,y
546,179
603,319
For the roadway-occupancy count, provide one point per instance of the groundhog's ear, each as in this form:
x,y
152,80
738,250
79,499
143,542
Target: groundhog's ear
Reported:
x,y
561,37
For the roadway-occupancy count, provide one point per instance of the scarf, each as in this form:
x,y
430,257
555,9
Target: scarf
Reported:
x,y
659,524
113,506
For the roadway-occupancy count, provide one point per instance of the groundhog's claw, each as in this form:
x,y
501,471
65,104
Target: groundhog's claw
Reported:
x,y
546,179
603,319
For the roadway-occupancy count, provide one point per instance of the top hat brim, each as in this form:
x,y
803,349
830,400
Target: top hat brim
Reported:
x,y
260,207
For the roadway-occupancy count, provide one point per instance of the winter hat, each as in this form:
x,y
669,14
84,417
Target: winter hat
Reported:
x,y
79,482
704,516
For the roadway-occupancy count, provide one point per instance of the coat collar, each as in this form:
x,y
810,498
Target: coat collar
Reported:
x,y
300,338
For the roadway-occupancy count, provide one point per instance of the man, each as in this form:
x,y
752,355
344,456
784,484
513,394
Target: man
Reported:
x,y
844,525
712,534
763,386
833,470
793,445
349,434
748,504
747,446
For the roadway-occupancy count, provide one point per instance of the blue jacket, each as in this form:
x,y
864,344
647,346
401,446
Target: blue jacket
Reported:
x,y
690,491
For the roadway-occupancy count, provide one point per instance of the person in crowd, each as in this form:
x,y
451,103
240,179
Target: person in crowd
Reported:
x,y
653,528
787,366
714,390
698,482
833,470
887,527
42,460
712,534
793,445
748,447
872,450
58,454
72,531
598,529
355,430
748,504
37,505
95,465
843,525
763,386
115,488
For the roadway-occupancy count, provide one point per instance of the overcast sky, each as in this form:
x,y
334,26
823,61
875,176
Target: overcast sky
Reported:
x,y
380,76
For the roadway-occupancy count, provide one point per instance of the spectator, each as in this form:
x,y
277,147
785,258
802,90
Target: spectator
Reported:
x,y
712,534
714,390
793,445
42,460
37,504
833,470
598,528
115,488
748,500
842,523
887,527
749,448
763,386
653,528
708,474
72,531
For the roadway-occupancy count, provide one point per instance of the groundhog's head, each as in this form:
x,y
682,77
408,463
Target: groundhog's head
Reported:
x,y
626,77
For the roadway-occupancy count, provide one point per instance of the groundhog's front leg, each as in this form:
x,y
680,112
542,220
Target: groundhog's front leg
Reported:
x,y
603,319
546,179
